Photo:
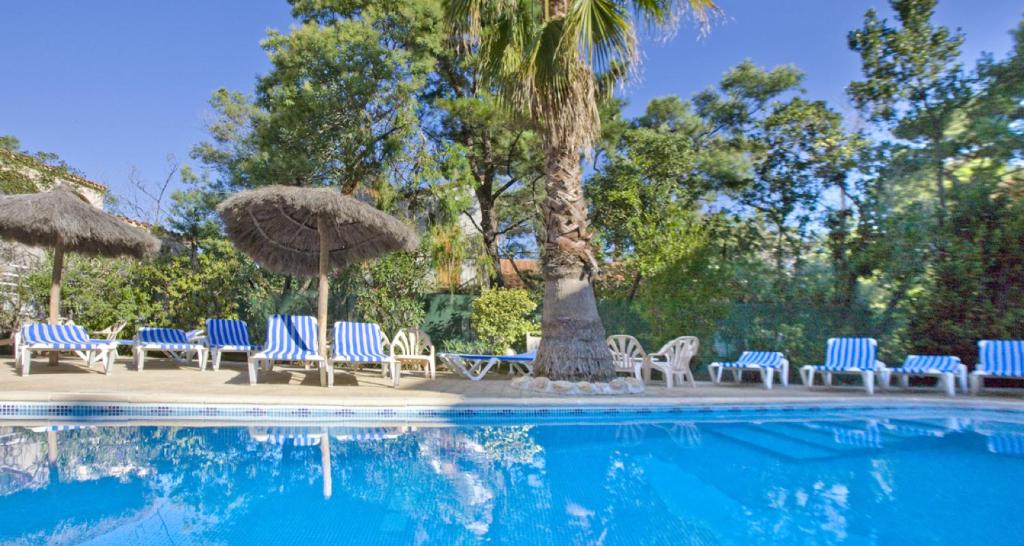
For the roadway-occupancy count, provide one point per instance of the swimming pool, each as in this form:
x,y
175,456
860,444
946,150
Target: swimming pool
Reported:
x,y
845,476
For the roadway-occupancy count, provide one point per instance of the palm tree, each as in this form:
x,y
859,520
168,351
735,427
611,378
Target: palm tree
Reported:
x,y
550,59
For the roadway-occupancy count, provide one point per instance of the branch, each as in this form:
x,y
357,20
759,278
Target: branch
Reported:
x,y
513,226
476,225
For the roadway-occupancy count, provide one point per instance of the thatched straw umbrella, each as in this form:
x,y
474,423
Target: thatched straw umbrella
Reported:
x,y
309,232
63,220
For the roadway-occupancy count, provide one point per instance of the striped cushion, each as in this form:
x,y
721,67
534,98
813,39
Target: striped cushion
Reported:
x,y
358,342
763,359
929,364
850,353
1006,443
867,438
1001,357
227,333
290,337
70,337
296,437
359,434
163,336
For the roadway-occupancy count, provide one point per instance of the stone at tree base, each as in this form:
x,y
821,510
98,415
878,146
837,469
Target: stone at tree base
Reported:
x,y
564,387
521,382
545,385
634,385
618,386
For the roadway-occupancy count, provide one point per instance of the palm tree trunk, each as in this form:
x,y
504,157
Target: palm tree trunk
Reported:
x,y
573,343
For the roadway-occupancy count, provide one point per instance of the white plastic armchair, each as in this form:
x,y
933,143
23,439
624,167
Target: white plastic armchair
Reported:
x,y
673,361
532,342
628,355
111,332
414,347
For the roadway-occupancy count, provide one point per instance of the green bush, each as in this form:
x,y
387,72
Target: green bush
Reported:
x,y
390,291
502,317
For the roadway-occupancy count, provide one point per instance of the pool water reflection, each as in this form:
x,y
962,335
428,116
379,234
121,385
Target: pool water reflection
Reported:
x,y
798,480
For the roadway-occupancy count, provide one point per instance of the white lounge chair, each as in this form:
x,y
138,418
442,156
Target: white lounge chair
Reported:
x,y
998,358
475,366
228,336
946,368
49,338
628,356
290,338
673,361
847,356
172,342
764,362
414,347
360,343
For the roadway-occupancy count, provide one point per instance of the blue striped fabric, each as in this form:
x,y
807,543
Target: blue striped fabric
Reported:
x,y
360,434
298,437
227,333
850,353
929,364
1001,357
291,337
164,338
71,337
1006,443
765,359
358,342
869,438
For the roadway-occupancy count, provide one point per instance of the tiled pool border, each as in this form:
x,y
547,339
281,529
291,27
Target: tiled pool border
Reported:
x,y
107,411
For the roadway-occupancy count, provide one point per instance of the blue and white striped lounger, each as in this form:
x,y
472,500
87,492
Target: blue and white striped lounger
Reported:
x,y
60,338
366,434
296,436
764,362
998,358
228,336
361,343
946,368
1006,443
475,367
847,356
170,341
290,338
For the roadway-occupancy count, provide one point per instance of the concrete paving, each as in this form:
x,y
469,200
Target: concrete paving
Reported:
x,y
165,381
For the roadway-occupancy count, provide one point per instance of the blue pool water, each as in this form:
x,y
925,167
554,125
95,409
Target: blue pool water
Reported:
x,y
889,476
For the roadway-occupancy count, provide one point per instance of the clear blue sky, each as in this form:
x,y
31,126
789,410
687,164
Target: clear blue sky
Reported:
x,y
115,84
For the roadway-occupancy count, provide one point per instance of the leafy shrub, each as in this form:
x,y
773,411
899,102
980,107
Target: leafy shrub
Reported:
x,y
390,291
502,317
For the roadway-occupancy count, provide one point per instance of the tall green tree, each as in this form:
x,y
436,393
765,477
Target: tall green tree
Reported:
x,y
547,59
913,84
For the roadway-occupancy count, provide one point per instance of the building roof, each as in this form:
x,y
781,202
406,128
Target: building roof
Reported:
x,y
527,267
56,172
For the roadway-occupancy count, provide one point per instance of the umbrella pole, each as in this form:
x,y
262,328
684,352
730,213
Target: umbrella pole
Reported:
x,y
58,269
321,307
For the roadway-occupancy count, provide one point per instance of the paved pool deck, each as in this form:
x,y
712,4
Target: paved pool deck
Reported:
x,y
165,381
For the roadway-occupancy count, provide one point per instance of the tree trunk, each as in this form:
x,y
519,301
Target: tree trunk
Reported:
x,y
940,183
489,231
321,307
58,270
573,343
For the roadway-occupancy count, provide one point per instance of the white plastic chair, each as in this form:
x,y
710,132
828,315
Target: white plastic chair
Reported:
x,y
628,355
673,361
413,346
